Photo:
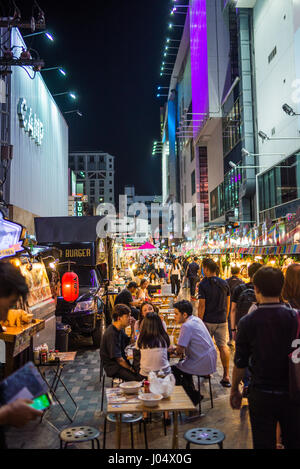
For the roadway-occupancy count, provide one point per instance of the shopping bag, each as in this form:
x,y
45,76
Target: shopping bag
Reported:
x,y
294,368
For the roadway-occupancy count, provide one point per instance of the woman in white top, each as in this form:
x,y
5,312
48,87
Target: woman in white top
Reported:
x,y
175,277
153,343
142,293
162,270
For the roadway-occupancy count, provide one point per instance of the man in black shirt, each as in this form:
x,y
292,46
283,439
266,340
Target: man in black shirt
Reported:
x,y
233,282
239,308
213,309
114,342
12,287
192,275
264,341
125,298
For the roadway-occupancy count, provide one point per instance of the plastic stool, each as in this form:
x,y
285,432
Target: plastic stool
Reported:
x,y
79,435
204,436
129,419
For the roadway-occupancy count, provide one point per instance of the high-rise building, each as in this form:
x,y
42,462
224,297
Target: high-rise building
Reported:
x,y
95,172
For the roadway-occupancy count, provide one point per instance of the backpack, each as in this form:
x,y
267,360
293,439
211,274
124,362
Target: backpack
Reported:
x,y
245,301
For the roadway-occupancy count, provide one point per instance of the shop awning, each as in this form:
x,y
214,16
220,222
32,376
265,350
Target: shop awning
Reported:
x,y
147,246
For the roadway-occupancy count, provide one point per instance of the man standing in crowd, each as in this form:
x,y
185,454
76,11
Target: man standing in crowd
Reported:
x,y
213,309
243,298
198,347
114,342
125,298
233,282
263,343
12,287
192,276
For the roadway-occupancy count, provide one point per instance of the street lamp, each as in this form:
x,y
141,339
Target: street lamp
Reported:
x,y
70,93
171,25
265,137
73,112
61,70
248,153
46,33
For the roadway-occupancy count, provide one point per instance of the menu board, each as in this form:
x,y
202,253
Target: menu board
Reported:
x,y
38,283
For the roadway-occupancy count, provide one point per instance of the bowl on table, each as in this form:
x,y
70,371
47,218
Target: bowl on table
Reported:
x,y
150,399
131,387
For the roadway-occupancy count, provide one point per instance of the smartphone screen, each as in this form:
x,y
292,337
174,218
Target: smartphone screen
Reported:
x,y
41,403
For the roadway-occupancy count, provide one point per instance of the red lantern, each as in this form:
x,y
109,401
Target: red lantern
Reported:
x,y
70,286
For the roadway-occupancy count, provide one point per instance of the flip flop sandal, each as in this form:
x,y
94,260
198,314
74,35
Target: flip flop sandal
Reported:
x,y
225,384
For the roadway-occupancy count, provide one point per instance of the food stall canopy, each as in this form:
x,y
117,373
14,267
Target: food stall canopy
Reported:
x,y
58,230
147,246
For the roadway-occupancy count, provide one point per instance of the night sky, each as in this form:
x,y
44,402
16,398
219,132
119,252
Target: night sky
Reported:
x,y
112,51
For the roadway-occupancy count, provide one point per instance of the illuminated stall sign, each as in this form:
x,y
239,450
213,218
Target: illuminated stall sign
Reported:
x,y
30,122
82,254
10,238
79,209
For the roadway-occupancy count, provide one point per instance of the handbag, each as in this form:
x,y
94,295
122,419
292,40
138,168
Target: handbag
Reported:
x,y
294,368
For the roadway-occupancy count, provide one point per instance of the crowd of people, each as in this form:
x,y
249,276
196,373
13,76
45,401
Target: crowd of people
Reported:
x,y
259,319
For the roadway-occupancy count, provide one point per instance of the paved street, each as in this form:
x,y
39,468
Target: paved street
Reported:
x,y
82,379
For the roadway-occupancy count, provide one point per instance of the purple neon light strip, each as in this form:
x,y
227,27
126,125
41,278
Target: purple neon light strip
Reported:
x,y
199,60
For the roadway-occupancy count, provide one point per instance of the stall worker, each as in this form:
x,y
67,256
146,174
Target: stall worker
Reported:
x,y
125,297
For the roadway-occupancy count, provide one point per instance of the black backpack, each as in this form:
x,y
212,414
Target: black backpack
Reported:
x,y
245,301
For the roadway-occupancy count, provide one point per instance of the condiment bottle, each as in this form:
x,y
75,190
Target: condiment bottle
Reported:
x,y
146,387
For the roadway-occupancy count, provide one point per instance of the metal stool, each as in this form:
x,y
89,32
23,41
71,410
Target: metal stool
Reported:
x,y
103,387
79,435
210,391
129,419
204,436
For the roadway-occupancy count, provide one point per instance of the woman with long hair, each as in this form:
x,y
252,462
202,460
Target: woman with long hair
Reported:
x,y
142,293
175,277
153,343
291,287
145,309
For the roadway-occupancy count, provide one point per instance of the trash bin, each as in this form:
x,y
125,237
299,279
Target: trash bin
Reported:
x,y
62,337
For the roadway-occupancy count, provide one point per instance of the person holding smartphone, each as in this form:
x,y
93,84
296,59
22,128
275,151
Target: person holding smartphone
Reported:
x,y
12,287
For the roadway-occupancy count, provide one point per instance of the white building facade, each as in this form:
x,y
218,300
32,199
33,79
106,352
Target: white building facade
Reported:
x,y
38,180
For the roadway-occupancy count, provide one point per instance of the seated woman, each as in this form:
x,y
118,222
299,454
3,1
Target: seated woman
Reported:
x,y
153,343
145,309
142,293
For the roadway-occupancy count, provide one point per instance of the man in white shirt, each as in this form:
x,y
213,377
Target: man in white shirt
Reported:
x,y
196,344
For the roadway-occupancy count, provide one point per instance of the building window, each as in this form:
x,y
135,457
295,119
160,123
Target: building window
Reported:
x,y
280,185
193,182
232,127
192,151
203,181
